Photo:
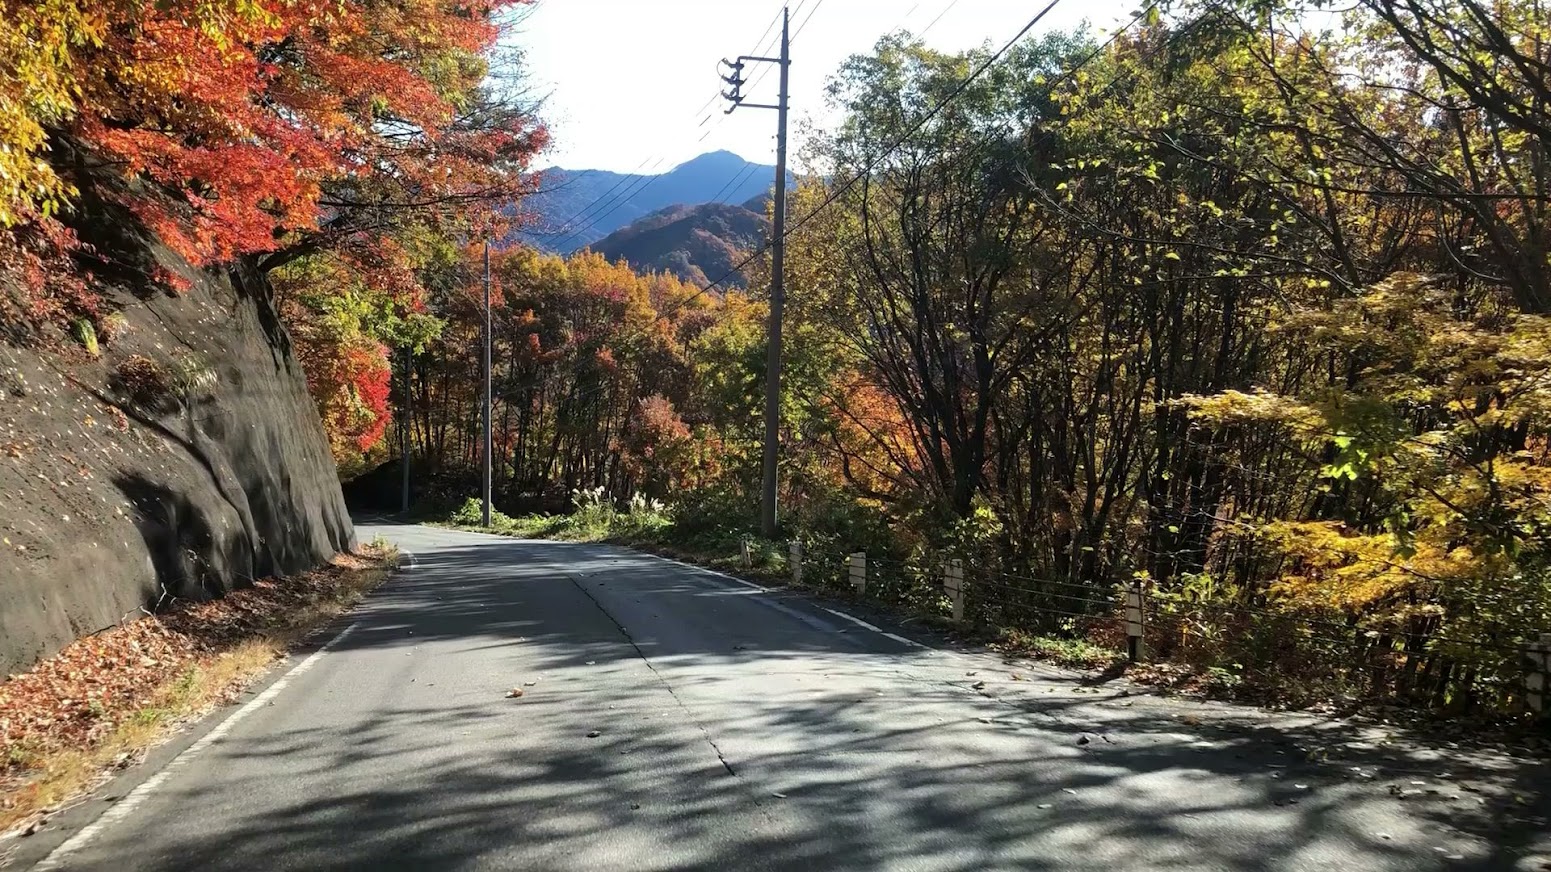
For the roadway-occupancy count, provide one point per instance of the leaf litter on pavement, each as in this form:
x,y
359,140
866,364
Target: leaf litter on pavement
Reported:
x,y
103,699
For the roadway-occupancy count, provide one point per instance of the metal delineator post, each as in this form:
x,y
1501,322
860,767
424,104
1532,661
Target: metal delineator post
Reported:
x,y
1135,649
1537,675
953,583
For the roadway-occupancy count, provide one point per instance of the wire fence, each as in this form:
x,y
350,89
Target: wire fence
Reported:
x,y
1282,649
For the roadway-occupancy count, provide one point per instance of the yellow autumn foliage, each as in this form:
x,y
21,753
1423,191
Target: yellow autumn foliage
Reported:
x,y
37,89
1442,436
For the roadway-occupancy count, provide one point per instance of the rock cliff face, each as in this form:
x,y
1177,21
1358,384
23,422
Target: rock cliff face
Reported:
x,y
183,460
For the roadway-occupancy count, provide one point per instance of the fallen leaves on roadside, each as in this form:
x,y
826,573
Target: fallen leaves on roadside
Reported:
x,y
78,698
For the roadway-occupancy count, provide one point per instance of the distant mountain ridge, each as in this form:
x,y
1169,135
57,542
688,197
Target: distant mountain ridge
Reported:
x,y
698,243
577,208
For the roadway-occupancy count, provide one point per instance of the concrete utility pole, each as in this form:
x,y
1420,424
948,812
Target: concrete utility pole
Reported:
x,y
404,421
488,440
767,509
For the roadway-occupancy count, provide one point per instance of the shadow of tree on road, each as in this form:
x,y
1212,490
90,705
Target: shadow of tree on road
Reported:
x,y
846,751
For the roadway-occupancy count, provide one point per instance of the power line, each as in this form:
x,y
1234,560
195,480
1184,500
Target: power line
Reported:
x,y
764,43
608,202
606,209
634,186
622,180
798,32
765,71
590,213
575,178
759,44
1059,80
737,179
945,10
759,47
623,199
932,113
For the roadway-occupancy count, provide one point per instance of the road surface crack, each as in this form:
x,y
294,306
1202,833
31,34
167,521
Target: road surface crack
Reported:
x,y
658,675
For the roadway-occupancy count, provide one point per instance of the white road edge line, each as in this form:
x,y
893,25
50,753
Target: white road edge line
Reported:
x,y
143,791
858,621
743,581
861,623
413,560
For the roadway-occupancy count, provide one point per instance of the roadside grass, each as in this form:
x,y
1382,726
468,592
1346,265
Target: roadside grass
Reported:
x,y
721,548
1070,652
104,701
1096,650
644,526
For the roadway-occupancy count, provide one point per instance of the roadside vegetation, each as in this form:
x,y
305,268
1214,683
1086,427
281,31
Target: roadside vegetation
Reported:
x,y
1247,314
100,704
1244,306
1093,642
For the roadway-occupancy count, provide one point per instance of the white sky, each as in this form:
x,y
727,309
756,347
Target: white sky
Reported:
x,y
627,79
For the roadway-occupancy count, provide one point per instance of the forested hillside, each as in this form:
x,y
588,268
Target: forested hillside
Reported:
x,y
1250,314
699,244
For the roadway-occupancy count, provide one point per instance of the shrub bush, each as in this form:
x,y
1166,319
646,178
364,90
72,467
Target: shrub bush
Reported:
x,y
113,328
471,514
143,380
86,334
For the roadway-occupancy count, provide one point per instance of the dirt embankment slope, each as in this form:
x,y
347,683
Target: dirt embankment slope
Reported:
x,y
183,459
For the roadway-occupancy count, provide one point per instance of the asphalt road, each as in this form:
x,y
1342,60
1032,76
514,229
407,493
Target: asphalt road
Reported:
x,y
675,719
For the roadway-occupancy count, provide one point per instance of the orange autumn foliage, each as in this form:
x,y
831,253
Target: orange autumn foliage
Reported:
x,y
262,127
